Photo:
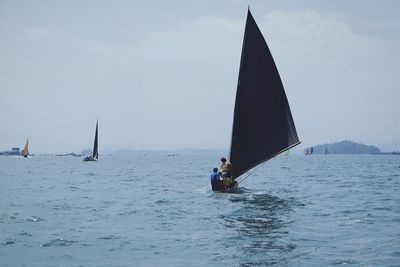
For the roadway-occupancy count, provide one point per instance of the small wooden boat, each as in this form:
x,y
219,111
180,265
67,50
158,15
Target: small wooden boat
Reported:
x,y
263,126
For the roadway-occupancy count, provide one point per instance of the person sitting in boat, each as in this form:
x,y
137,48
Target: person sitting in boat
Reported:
x,y
226,168
226,172
216,184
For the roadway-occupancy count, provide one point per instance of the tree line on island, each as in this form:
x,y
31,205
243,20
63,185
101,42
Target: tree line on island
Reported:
x,y
342,147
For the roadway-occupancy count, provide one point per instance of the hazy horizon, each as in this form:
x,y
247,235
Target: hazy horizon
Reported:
x,y
384,147
161,75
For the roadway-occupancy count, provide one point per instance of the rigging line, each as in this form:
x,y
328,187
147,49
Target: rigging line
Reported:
x,y
256,168
250,173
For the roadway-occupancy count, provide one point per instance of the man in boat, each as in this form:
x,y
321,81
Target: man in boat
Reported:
x,y
226,172
216,183
226,168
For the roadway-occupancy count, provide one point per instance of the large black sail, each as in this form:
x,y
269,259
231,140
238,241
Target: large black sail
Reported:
x,y
96,143
263,125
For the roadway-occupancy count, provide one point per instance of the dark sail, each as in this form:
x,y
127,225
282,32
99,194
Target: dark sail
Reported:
x,y
263,125
96,143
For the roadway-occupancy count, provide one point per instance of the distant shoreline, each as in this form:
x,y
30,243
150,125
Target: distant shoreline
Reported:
x,y
346,147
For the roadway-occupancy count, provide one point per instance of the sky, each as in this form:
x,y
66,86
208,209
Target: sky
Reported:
x,y
163,74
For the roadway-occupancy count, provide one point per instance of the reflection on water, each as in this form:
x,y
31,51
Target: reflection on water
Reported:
x,y
260,224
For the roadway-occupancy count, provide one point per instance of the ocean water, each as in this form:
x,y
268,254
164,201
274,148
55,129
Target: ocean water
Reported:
x,y
153,209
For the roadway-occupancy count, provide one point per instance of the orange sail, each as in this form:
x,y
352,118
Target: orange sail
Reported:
x,y
25,151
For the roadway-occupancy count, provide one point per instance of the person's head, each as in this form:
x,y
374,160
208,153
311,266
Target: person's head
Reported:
x,y
215,170
223,160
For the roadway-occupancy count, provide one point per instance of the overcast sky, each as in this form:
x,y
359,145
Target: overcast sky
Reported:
x,y
163,74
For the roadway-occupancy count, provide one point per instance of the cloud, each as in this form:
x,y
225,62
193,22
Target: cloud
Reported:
x,y
201,40
340,84
36,33
220,24
307,23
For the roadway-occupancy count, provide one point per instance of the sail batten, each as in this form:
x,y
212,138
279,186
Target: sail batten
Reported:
x,y
263,126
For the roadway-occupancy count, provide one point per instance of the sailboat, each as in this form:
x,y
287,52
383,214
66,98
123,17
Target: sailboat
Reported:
x,y
263,126
95,154
308,150
25,151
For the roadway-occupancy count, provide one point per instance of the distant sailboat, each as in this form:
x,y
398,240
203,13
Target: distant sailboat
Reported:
x,y
25,151
263,126
308,150
95,154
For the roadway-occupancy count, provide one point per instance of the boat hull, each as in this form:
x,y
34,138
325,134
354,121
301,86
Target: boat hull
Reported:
x,y
232,189
89,159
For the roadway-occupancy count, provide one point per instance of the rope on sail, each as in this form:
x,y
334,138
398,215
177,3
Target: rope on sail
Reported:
x,y
258,166
250,173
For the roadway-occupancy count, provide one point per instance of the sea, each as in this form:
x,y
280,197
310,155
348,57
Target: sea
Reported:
x,y
156,208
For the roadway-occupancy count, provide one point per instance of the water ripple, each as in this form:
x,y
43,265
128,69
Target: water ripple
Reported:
x,y
156,210
34,219
59,242
8,242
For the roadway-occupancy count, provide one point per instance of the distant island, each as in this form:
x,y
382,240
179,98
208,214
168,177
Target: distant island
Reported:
x,y
346,147
73,154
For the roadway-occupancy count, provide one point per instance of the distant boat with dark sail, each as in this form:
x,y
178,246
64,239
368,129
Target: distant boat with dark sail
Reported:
x,y
263,126
25,151
308,150
95,154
